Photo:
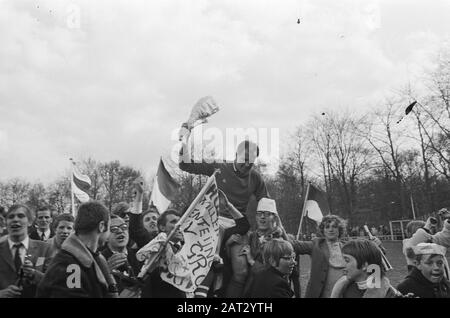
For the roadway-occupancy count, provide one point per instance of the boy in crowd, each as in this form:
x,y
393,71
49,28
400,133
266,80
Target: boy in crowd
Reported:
x,y
79,270
427,279
63,227
43,231
21,258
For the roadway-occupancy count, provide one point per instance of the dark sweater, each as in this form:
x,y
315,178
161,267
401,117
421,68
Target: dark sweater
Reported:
x,y
137,231
237,187
270,283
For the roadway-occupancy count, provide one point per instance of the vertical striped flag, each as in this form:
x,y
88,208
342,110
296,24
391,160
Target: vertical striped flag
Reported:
x,y
165,188
80,184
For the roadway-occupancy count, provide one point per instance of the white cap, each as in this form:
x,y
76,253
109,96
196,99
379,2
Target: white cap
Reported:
x,y
268,205
429,248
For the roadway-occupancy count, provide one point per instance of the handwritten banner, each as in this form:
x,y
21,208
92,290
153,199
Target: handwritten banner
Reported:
x,y
188,268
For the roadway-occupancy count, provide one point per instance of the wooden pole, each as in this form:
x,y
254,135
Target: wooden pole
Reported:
x,y
71,188
185,215
412,207
303,211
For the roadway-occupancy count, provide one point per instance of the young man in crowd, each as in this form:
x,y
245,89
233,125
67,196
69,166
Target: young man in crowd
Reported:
x,y
272,281
427,279
155,287
43,230
429,234
63,227
138,232
123,210
364,275
239,181
79,270
21,258
121,259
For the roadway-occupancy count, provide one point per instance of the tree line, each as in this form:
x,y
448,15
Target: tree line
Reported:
x,y
374,166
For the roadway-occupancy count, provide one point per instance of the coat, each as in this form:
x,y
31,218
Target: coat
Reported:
x,y
418,285
131,269
270,283
318,250
39,255
76,272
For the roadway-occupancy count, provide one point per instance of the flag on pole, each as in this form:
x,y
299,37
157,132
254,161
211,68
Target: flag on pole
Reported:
x,y
316,204
80,184
187,269
164,188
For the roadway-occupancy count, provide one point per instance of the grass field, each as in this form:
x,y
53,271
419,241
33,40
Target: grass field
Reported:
x,y
394,255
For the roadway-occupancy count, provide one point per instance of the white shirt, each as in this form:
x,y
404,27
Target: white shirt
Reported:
x,y
46,234
23,249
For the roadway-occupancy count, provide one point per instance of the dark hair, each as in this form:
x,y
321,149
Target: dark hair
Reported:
x,y
121,209
28,211
413,226
364,251
151,209
162,220
2,211
44,208
89,215
333,218
63,217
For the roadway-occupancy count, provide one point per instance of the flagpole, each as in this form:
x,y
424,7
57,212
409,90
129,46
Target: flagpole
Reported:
x,y
71,189
412,207
185,215
303,210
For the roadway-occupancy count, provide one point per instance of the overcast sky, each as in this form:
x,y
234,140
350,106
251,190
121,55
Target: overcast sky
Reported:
x,y
113,79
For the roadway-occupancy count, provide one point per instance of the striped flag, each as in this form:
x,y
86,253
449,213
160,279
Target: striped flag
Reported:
x,y
164,188
316,204
80,184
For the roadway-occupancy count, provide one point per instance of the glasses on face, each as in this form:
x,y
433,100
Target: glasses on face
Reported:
x,y
289,258
265,213
117,229
151,218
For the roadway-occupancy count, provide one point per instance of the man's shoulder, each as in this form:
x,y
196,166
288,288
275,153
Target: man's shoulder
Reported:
x,y
64,258
3,239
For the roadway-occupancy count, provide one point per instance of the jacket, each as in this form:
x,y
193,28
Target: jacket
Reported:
x,y
34,235
131,269
39,253
318,250
418,285
76,272
270,283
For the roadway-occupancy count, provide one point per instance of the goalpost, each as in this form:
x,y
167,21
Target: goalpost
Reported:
x,y
398,227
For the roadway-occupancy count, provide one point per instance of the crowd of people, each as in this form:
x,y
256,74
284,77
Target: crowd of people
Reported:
x,y
95,254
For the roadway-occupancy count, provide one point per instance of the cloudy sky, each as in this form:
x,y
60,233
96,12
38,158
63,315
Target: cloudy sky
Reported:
x,y
113,79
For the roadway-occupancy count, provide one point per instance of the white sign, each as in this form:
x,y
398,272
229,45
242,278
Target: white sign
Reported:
x,y
187,269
